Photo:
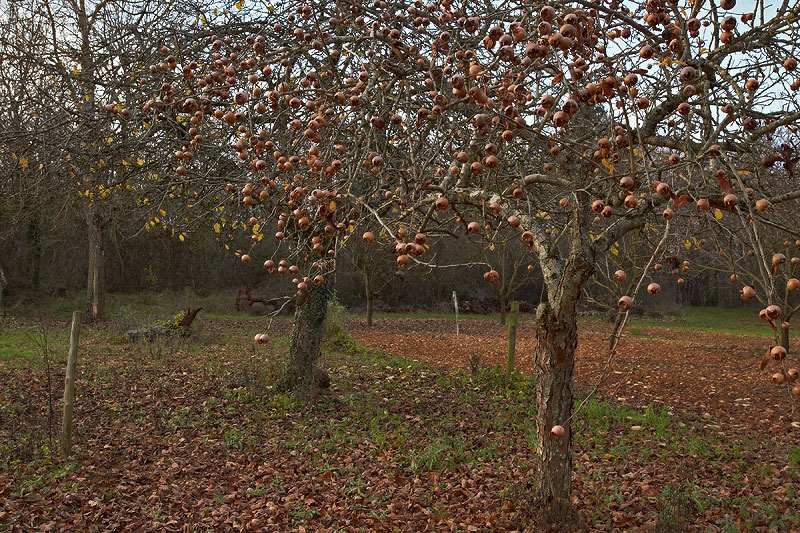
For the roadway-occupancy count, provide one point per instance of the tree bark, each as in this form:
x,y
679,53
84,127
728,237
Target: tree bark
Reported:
x,y
306,340
95,279
556,340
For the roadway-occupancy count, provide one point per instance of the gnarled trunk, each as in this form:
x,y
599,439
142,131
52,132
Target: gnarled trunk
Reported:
x,y
306,340
556,340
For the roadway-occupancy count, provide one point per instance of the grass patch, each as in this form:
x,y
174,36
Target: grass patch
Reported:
x,y
713,319
23,343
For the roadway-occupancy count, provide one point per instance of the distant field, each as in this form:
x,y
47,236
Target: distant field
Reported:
x,y
711,319
144,306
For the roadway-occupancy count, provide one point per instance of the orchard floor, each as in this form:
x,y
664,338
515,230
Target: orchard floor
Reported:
x,y
188,435
715,376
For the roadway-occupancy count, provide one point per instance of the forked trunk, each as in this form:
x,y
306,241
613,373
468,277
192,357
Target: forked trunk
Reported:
x,y
556,340
306,340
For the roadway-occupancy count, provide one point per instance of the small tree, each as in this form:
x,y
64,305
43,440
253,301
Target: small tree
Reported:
x,y
512,261
373,266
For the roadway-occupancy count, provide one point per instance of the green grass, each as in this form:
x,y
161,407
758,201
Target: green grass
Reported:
x,y
147,305
422,315
737,321
23,344
715,320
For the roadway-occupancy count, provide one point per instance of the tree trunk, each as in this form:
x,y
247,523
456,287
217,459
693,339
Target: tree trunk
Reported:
x,y
370,309
95,279
556,340
306,340
785,338
503,311
35,254
369,293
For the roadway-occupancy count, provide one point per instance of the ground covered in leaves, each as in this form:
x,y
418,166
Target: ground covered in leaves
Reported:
x,y
188,435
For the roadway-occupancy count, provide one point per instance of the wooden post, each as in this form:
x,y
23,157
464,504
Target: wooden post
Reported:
x,y
512,341
69,384
455,304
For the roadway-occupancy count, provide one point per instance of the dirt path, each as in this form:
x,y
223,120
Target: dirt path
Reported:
x,y
711,375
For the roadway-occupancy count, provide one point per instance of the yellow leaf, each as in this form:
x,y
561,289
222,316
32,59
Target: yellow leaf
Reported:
x,y
270,8
217,228
687,244
239,4
608,165
717,214
139,161
24,162
163,213
333,205
744,172
180,236
255,229
203,19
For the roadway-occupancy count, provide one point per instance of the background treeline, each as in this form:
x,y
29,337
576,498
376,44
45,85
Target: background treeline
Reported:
x,y
48,257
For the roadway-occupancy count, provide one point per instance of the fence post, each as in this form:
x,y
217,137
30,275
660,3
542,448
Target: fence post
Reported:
x,y
69,384
512,341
